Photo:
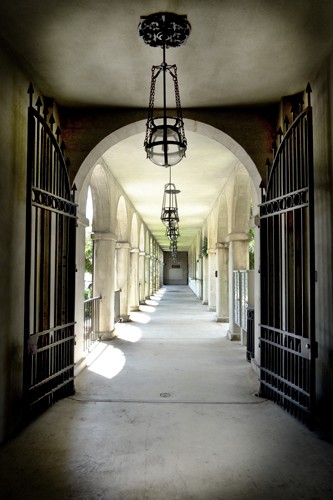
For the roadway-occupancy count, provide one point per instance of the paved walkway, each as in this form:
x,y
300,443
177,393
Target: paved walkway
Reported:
x,y
167,411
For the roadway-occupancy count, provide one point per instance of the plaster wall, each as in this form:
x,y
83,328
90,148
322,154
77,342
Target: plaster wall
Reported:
x,y
13,146
322,102
175,272
250,127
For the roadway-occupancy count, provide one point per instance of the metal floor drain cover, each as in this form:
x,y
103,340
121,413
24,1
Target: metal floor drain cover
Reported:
x,y
165,394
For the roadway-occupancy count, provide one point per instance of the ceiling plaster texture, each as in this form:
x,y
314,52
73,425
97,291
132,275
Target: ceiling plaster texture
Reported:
x,y
88,54
239,52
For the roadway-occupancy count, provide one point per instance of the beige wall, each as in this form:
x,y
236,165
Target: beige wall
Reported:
x,y
251,128
175,272
13,133
322,101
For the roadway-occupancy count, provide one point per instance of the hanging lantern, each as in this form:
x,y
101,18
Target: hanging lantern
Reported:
x,y
172,233
169,213
165,142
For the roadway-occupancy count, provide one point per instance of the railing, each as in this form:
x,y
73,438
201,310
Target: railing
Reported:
x,y
250,334
91,321
117,306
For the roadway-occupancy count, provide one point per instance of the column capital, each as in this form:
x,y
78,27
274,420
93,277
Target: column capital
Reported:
x,y
135,250
222,245
237,237
123,244
96,235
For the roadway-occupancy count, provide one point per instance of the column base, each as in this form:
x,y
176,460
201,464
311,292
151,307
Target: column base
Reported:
x,y
222,319
125,319
212,309
233,335
106,335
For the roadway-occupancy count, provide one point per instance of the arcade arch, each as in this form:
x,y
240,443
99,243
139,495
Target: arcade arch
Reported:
x,y
138,256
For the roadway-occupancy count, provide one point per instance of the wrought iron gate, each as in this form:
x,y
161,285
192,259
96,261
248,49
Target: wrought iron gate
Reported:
x,y
287,337
50,265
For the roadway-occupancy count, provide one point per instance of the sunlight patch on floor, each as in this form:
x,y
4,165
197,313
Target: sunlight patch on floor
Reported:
x,y
139,317
129,332
151,302
107,361
147,308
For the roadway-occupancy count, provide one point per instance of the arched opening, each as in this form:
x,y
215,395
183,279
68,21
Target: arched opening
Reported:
x,y
136,236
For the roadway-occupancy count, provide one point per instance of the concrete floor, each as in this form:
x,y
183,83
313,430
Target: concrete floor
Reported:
x,y
167,411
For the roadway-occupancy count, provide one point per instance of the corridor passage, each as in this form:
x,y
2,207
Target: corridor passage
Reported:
x,y
167,410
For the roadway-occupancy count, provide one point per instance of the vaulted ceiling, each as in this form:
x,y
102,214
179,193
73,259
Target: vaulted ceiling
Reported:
x,y
239,52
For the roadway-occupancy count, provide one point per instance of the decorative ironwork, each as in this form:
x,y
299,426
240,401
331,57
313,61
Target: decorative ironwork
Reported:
x,y
287,338
91,321
50,264
169,212
172,233
165,142
250,334
164,28
174,249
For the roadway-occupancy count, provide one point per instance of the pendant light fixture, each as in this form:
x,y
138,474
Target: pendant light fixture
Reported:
x,y
165,142
169,212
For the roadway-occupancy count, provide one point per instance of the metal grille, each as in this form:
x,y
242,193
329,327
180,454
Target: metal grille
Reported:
x,y
250,334
50,265
117,306
91,321
287,338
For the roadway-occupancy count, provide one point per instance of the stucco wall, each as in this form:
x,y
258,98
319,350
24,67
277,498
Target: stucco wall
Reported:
x,y
322,101
250,127
13,133
175,272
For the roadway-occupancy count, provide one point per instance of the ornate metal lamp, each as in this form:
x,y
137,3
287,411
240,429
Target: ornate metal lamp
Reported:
x,y
173,249
165,142
169,212
172,233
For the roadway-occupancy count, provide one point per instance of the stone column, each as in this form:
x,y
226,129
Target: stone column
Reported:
x,y
104,256
147,276
160,269
134,281
222,298
142,277
238,259
198,278
211,279
204,280
123,277
82,223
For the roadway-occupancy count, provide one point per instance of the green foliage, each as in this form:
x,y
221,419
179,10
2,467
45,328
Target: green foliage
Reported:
x,y
251,249
204,247
88,265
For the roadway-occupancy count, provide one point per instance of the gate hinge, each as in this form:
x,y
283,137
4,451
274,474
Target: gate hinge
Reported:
x,y
312,349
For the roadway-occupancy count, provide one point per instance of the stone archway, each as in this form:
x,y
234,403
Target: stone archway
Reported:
x,y
136,128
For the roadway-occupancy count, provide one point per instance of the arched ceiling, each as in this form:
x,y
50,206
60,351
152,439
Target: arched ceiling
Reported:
x,y
240,52
200,177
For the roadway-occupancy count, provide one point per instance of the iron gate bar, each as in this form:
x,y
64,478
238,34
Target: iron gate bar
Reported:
x,y
51,392
287,340
51,377
50,264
